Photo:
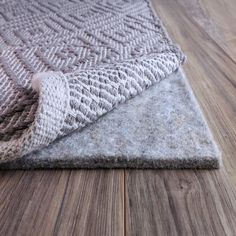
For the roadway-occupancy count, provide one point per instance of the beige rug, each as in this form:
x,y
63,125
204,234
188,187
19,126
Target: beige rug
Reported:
x,y
64,64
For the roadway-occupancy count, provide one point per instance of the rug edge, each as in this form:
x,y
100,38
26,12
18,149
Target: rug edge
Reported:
x,y
104,162
198,107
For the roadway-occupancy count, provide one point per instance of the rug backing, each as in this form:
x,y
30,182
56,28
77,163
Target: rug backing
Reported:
x,y
161,128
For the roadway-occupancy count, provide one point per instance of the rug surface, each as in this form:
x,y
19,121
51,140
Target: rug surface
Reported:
x,y
161,128
66,63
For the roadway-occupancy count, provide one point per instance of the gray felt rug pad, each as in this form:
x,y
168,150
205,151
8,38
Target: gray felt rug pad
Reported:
x,y
103,75
162,128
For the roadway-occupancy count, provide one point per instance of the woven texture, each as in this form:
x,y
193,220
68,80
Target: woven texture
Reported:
x,y
161,128
63,64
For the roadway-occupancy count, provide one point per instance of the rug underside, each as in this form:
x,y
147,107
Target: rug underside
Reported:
x,y
106,75
162,128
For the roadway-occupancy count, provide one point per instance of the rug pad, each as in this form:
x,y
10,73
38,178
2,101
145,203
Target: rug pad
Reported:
x,y
161,128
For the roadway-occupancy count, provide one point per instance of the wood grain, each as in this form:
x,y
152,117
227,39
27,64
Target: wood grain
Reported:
x,y
136,202
195,202
61,203
179,203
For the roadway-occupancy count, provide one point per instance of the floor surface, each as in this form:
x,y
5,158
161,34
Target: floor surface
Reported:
x,y
135,202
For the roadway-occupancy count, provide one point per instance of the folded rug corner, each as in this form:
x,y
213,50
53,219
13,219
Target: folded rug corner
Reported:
x,y
65,63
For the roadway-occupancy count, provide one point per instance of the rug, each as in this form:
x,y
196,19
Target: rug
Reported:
x,y
162,128
64,64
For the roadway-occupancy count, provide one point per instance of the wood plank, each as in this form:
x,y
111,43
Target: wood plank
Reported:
x,y
194,202
179,203
62,202
215,19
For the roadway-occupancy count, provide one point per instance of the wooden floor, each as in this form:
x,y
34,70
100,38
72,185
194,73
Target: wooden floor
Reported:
x,y
135,202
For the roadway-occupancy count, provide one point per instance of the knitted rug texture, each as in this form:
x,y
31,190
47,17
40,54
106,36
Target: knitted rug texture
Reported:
x,y
161,128
64,64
